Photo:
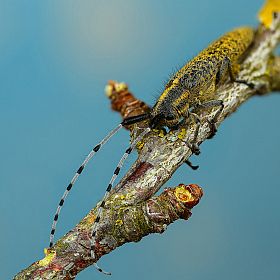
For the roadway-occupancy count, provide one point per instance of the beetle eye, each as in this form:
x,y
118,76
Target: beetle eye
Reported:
x,y
169,118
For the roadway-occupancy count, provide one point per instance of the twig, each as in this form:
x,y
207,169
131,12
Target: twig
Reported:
x,y
123,223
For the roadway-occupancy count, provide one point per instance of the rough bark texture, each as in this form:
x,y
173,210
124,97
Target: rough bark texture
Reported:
x,y
130,212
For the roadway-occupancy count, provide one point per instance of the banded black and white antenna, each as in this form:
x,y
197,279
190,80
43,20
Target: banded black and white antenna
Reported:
x,y
101,207
127,121
79,171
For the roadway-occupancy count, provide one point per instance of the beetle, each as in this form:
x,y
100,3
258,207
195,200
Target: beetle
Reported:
x,y
191,87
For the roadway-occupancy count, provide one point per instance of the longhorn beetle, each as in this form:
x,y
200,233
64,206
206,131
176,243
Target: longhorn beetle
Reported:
x,y
190,87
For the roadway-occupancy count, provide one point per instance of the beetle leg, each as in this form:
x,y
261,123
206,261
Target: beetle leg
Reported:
x,y
195,148
193,167
211,104
226,64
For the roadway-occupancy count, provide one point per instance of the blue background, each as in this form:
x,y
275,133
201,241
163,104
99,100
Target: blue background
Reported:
x,y
55,60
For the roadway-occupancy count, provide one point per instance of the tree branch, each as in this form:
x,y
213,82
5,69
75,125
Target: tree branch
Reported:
x,y
123,222
130,212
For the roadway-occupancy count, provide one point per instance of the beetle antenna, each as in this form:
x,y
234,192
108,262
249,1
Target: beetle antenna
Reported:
x,y
101,207
79,171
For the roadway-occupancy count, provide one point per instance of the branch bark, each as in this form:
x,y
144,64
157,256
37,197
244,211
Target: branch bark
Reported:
x,y
130,211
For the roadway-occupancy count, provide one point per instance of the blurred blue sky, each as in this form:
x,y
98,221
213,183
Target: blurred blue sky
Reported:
x,y
55,60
